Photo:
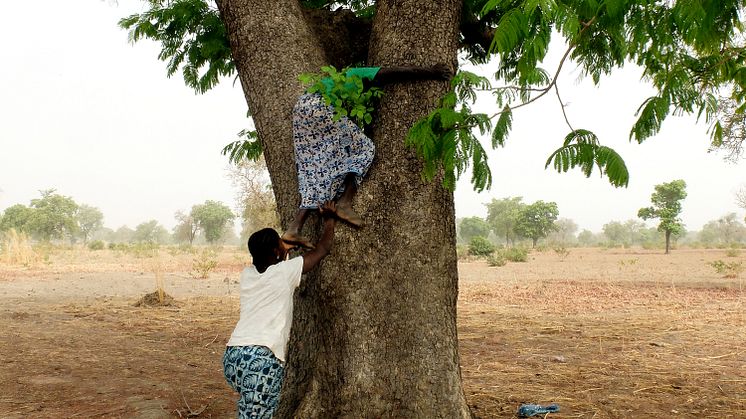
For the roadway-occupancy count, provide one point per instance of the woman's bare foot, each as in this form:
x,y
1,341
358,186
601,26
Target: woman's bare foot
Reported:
x,y
346,213
296,239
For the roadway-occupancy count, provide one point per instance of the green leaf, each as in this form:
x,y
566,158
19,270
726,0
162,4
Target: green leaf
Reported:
x,y
249,148
502,128
581,149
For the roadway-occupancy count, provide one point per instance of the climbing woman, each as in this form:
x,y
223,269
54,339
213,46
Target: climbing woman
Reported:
x,y
332,156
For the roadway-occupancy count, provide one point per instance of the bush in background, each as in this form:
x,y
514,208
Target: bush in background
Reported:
x,y
480,246
96,245
515,254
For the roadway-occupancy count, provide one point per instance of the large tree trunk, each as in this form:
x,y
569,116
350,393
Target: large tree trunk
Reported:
x,y
374,329
668,241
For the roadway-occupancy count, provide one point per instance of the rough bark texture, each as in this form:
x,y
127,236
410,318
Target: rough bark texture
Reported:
x,y
374,329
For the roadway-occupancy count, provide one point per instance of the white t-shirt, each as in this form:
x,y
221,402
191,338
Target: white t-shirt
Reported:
x,y
267,306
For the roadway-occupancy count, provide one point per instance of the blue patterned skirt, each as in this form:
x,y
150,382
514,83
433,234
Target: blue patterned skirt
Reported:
x,y
256,374
326,151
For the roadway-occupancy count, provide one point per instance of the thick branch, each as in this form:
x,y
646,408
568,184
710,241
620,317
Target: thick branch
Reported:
x,y
343,36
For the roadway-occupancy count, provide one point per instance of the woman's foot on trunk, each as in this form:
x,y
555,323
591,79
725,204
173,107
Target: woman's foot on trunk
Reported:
x,y
346,213
296,239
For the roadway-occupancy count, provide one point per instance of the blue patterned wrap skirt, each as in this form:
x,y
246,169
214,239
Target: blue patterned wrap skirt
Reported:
x,y
256,374
326,151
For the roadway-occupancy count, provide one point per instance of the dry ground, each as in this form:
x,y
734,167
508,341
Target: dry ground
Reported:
x,y
604,333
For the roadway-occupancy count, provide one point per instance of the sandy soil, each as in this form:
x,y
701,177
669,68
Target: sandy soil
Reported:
x,y
604,333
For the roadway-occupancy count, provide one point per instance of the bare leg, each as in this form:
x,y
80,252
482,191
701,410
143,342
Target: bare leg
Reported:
x,y
292,235
344,204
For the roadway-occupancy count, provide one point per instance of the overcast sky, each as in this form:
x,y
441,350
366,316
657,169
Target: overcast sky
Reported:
x,y
87,113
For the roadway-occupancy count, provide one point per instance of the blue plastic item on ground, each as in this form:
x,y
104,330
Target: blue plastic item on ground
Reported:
x,y
528,410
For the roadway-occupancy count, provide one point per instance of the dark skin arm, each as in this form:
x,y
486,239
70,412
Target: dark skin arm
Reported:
x,y
411,73
324,246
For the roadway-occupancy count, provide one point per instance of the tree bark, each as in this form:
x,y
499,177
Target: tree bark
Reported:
x,y
668,241
374,328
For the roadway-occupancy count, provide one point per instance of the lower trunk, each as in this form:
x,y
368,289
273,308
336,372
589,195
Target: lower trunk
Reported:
x,y
374,328
668,241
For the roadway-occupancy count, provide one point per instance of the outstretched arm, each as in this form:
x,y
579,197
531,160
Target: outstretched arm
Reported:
x,y
324,246
411,73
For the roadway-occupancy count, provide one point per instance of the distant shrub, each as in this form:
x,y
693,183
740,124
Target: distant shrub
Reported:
x,y
123,247
187,248
541,248
203,263
480,246
732,253
96,245
496,259
515,254
143,249
650,245
561,251
728,270
628,262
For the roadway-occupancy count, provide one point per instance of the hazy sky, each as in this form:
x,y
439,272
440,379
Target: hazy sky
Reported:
x,y
87,113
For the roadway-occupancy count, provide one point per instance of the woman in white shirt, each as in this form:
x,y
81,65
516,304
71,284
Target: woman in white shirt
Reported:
x,y
255,354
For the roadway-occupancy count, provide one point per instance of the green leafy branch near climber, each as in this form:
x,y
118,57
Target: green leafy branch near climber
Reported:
x,y
692,53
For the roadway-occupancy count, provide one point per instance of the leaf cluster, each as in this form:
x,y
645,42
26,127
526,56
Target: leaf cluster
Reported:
x,y
581,148
446,140
248,147
348,95
192,38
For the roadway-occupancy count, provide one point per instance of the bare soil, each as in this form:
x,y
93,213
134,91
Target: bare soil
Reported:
x,y
603,333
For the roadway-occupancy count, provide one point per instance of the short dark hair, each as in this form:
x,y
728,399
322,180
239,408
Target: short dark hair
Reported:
x,y
262,245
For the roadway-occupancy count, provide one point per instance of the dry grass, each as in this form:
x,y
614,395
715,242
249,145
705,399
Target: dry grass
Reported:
x,y
605,334
17,250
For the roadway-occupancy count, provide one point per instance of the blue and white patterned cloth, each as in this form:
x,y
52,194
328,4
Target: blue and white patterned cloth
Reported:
x,y
326,151
256,374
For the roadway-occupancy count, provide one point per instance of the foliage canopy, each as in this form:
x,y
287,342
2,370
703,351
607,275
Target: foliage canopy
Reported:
x,y
691,52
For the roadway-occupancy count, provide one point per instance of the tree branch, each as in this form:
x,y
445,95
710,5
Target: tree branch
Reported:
x,y
544,90
343,36
562,106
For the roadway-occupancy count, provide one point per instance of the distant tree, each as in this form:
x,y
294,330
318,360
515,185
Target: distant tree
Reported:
x,y
587,238
741,198
229,236
536,221
104,234
651,235
53,216
725,230
625,234
615,233
666,207
123,234
186,228
212,217
16,217
255,199
471,227
502,216
731,229
565,232
89,219
635,230
151,232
